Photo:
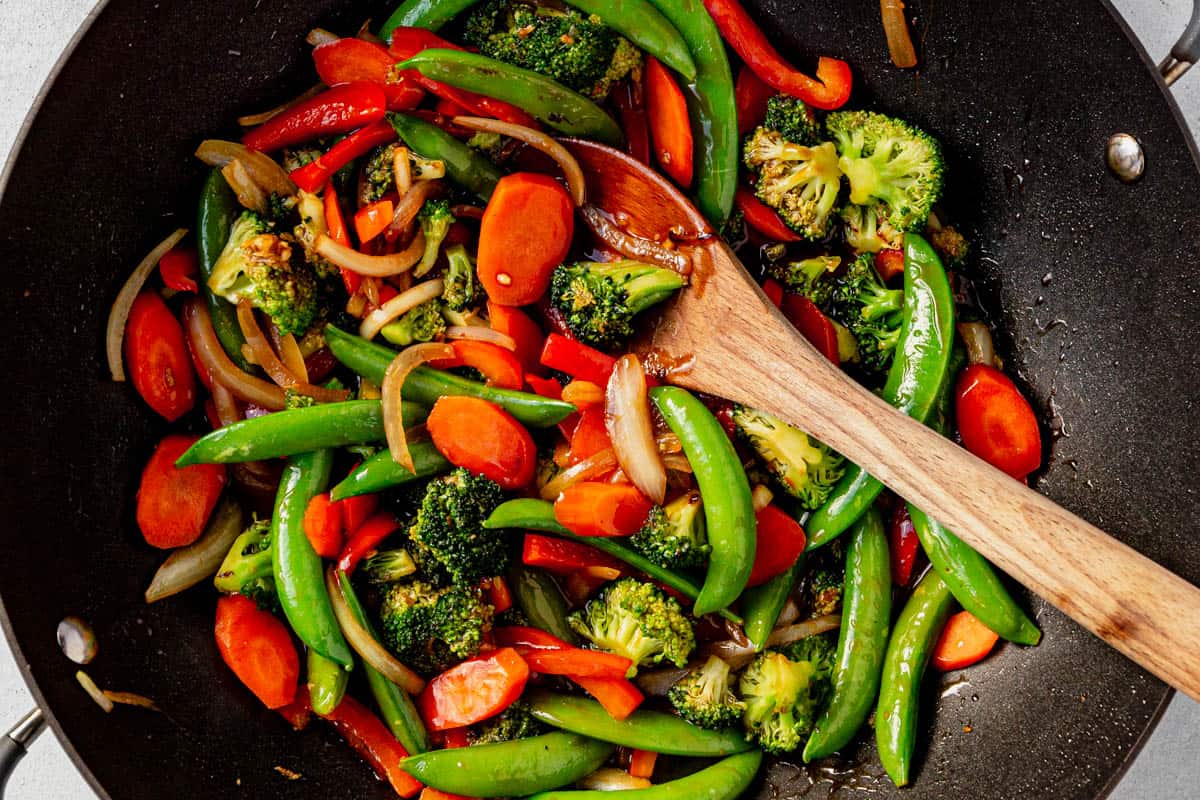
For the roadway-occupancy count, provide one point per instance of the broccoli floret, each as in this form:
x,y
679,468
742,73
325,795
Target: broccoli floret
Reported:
x,y
893,168
792,120
421,324
490,144
819,650
381,170
435,220
951,245
674,535
388,566
293,399
823,585
257,265
783,700
873,313
599,300
430,628
296,157
867,231
705,696
806,469
311,210
811,277
514,722
800,182
449,533
578,51
461,289
638,621
247,570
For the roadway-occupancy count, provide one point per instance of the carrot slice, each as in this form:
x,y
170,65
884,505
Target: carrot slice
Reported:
x,y
259,650
483,438
964,641
500,366
173,503
641,763
591,508
525,233
324,525
670,128
524,331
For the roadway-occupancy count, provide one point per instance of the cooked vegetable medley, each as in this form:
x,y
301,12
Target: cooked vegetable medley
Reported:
x,y
409,338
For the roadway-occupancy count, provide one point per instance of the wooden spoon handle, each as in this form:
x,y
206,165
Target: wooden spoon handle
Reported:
x,y
1143,610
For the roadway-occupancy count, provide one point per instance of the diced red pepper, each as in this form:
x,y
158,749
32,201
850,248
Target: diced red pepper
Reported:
x,y
814,325
337,110
313,176
751,96
762,217
902,544
577,359
373,219
563,556
356,59
179,268
780,541
641,763
365,539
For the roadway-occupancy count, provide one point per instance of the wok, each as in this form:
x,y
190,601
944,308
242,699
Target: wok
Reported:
x,y
1089,279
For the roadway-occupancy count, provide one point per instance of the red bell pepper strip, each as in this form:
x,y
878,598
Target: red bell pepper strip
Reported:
x,y
830,90
348,60
313,176
577,359
774,291
515,323
577,663
670,127
371,739
619,696
641,763
548,387
751,96
373,219
523,636
449,108
780,542
762,217
337,110
902,544
632,110
996,422
365,539
815,326
590,435
179,268
430,793
562,556
357,510
474,690
298,713
335,223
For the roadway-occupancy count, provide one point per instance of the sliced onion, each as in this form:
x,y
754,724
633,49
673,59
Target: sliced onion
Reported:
x,y
207,349
977,338
410,205
464,211
289,353
658,682
398,371
188,566
632,246
580,393
402,171
118,315
94,692
611,779
366,645
803,630
249,193
251,120
899,40
631,428
131,699
590,467
263,169
539,141
677,462
789,613
401,303
480,333
761,497
227,410
266,358
320,36
375,266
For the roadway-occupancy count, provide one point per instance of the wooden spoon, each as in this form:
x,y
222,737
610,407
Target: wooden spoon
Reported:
x,y
732,342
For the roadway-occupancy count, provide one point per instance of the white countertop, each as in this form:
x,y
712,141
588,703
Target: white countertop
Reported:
x,y
36,32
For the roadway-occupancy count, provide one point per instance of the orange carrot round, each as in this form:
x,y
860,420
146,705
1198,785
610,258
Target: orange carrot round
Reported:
x,y
964,641
670,128
173,503
259,650
483,438
324,525
591,508
525,233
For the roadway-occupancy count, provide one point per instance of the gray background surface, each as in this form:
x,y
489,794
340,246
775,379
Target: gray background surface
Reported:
x,y
35,33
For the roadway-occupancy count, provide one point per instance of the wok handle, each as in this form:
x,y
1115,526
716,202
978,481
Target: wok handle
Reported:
x,y
15,743
1185,52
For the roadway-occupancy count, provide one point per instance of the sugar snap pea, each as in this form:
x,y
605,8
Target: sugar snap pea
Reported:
x,y
381,471
428,14
214,217
538,596
466,166
327,681
761,604
862,641
725,780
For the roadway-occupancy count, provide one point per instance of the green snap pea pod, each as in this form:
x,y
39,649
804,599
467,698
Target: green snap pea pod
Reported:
x,y
641,23
466,166
725,780
862,641
728,508
327,681
425,385
217,211
428,14
761,604
711,107
299,577
381,471
973,581
913,639
538,515
917,373
643,729
510,769
539,597
396,708
297,430
562,109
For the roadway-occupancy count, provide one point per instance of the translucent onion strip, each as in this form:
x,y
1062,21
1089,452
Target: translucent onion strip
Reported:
x,y
190,565
592,466
762,497
895,28
631,428
94,692
978,340
206,348
373,266
393,383
363,643
405,301
266,358
118,315
402,171
410,205
249,193
479,333
631,246
289,353
262,169
539,141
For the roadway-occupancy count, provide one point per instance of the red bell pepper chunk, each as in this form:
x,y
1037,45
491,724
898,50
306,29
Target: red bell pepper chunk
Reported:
x,y
641,763
474,690
619,696
353,59
964,641
631,109
577,359
357,510
373,219
751,96
515,323
562,556
577,663
365,539
337,110
456,737
298,713
590,435
371,739
996,422
902,544
592,508
774,291
499,595
257,646
780,542
830,90
545,387
762,217
313,176
158,357
179,267
814,325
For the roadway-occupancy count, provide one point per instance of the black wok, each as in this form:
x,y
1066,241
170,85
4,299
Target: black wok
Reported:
x,y
1089,279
